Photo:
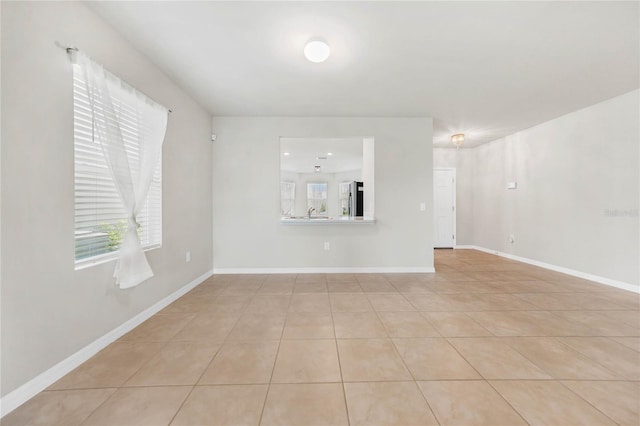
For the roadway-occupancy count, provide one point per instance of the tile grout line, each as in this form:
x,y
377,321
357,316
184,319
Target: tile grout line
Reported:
x,y
506,401
404,363
561,383
203,371
335,340
554,380
614,373
121,386
553,279
554,338
488,382
95,409
275,359
611,339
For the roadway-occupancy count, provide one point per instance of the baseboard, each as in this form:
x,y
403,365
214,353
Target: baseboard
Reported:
x,y
16,398
326,270
602,280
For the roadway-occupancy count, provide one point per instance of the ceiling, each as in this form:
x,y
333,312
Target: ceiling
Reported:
x,y
486,69
332,155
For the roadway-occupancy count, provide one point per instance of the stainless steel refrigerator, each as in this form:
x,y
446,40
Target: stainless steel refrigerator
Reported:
x,y
356,199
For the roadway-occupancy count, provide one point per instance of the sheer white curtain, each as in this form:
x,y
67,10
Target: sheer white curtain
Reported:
x,y
108,96
287,198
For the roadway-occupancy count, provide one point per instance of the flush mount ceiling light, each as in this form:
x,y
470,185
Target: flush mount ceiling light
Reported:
x,y
316,50
286,154
457,139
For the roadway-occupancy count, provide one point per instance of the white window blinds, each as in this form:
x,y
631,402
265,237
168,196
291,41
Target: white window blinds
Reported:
x,y
100,219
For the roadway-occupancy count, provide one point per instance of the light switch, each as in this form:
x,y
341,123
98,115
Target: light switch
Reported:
x,y
512,185
423,207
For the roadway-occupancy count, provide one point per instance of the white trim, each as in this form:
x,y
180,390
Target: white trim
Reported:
x,y
107,257
465,247
16,398
326,270
602,280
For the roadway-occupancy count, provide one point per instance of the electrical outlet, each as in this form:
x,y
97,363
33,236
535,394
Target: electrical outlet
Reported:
x,y
188,257
327,246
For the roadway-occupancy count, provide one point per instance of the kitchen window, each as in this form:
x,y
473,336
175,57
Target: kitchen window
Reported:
x,y
287,198
317,198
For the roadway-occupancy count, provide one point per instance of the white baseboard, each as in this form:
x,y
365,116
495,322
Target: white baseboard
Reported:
x,y
326,270
602,280
16,398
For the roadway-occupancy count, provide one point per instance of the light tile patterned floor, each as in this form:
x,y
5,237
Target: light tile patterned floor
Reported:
x,y
483,341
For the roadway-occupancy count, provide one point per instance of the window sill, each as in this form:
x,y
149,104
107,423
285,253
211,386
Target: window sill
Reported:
x,y
105,258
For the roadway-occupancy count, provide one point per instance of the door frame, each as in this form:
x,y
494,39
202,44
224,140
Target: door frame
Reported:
x,y
455,206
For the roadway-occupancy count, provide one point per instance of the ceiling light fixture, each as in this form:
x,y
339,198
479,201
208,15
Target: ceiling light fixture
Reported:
x,y
329,154
457,139
286,154
316,50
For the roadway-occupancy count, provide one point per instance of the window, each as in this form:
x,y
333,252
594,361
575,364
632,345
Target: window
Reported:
x,y
344,198
317,198
287,198
100,220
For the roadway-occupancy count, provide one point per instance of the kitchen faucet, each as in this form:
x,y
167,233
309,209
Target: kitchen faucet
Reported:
x,y
311,210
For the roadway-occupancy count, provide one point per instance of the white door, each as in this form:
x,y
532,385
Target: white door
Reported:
x,y
444,208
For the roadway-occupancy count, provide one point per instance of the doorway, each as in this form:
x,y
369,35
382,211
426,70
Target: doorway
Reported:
x,y
444,207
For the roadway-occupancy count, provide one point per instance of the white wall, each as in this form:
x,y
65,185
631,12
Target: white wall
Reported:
x,y
246,175
569,171
50,311
463,160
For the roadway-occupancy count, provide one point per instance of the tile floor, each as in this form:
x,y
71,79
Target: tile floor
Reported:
x,y
483,341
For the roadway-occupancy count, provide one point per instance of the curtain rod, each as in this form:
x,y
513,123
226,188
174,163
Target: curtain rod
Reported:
x,y
70,49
